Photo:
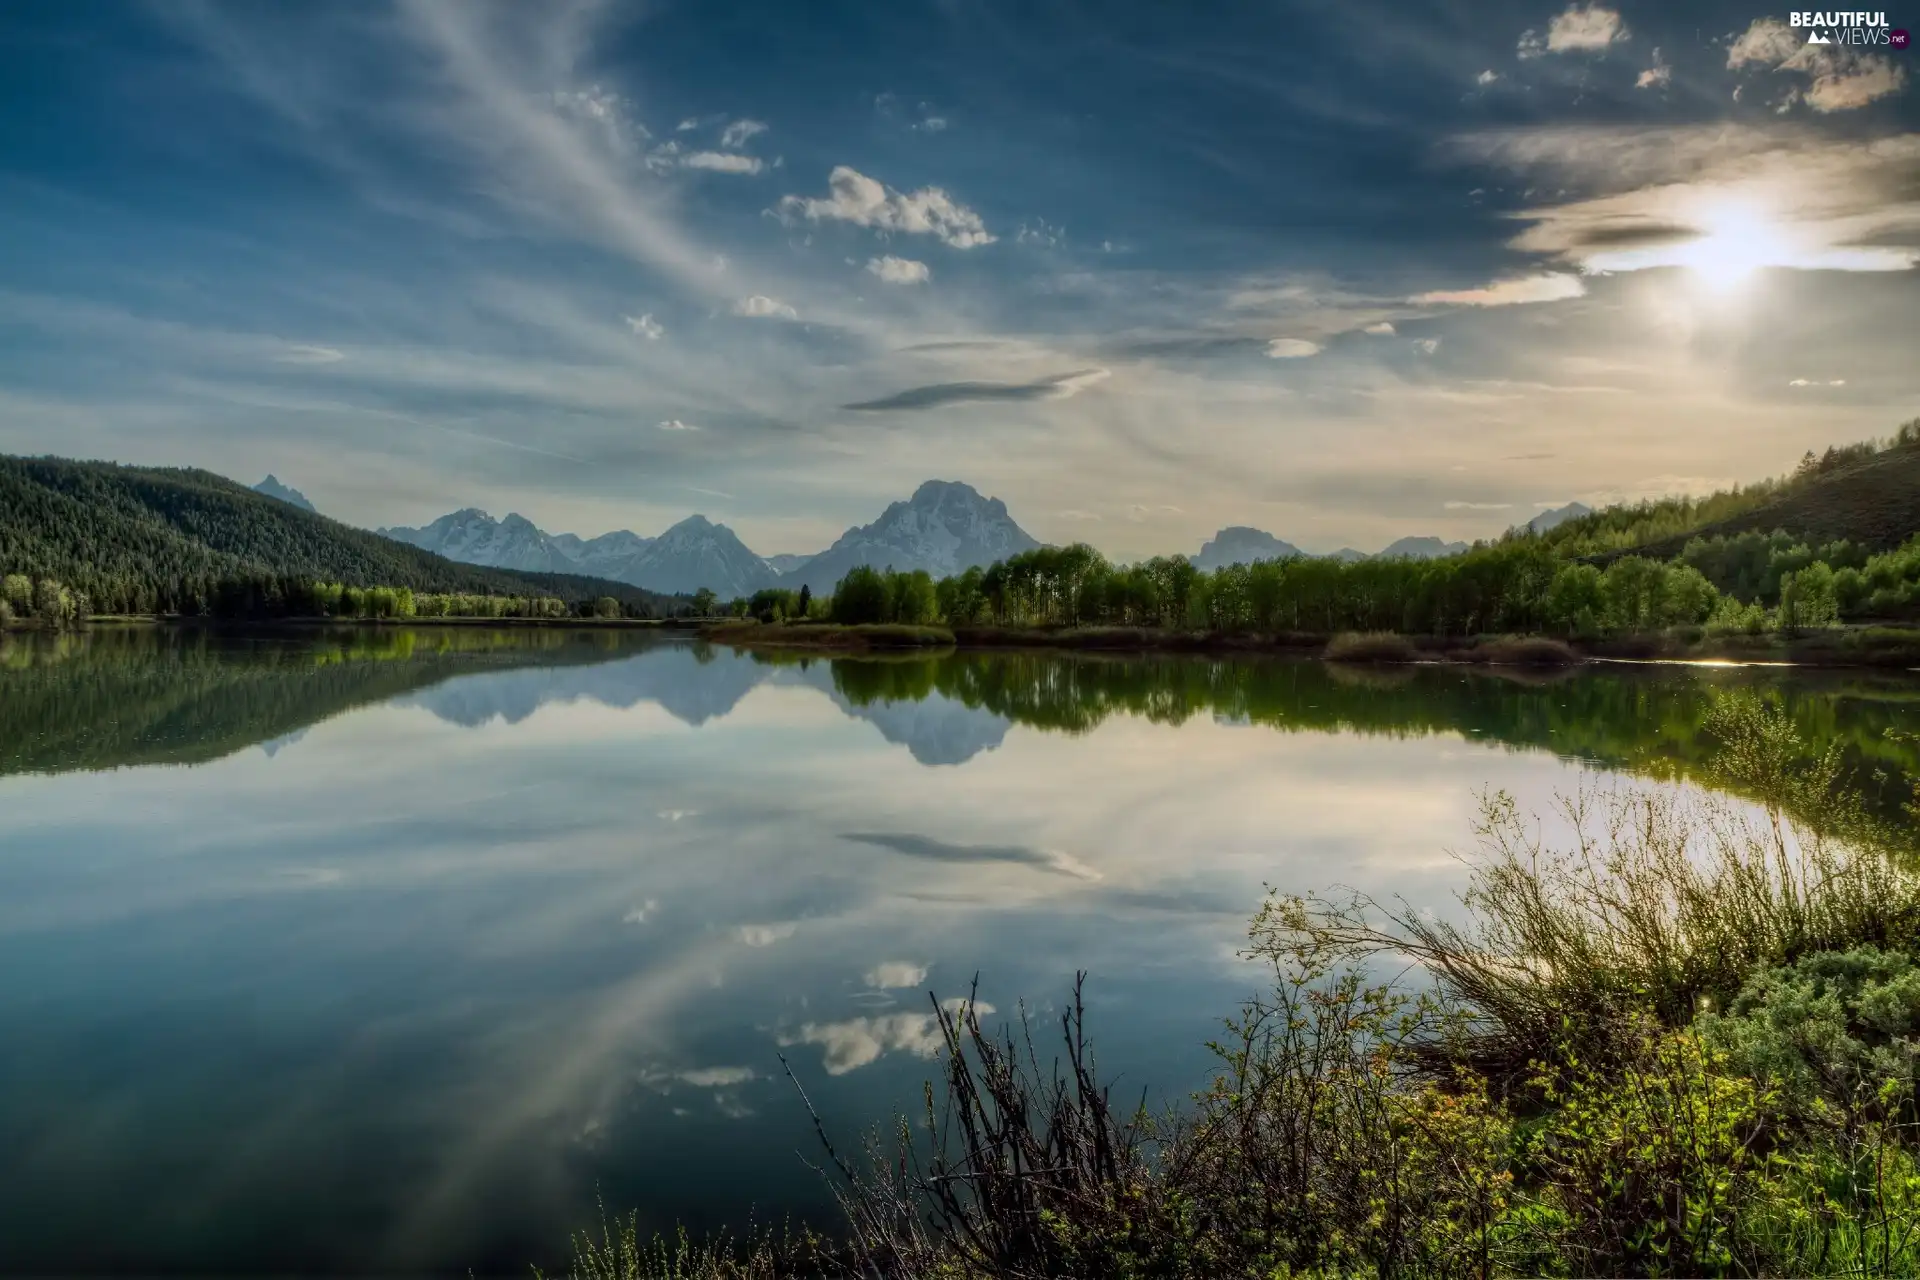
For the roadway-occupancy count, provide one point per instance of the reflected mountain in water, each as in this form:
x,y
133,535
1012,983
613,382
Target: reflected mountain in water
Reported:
x,y
693,683
110,699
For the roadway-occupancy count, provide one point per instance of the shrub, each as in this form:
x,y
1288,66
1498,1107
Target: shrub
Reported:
x,y
1372,646
1524,651
1653,1169
1839,1030
1663,897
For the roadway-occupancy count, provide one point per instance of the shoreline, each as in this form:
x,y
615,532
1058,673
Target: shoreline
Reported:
x,y
1870,647
1874,648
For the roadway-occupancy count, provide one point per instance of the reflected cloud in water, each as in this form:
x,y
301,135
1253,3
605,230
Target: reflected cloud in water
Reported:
x,y
402,998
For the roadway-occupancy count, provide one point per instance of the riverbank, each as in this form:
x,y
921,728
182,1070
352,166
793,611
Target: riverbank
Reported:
x,y
682,625
1867,647
1668,1040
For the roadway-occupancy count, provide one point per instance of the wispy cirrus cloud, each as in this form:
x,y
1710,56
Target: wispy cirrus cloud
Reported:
x,y
738,133
304,353
1507,293
722,162
760,307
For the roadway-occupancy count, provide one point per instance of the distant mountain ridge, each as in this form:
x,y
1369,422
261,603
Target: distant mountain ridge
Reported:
x,y
945,528
272,487
136,539
1239,544
1554,517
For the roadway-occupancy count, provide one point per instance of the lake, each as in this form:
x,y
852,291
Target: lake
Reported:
x,y
388,951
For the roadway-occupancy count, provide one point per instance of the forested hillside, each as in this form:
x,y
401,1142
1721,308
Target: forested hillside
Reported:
x,y
141,540
1867,494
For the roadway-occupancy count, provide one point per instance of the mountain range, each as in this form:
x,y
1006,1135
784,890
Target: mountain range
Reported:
x,y
945,528
1239,544
293,497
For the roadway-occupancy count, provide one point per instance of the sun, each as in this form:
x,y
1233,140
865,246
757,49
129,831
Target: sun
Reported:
x,y
1739,240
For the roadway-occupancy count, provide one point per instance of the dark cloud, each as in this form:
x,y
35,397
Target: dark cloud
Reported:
x,y
1629,234
941,851
1057,387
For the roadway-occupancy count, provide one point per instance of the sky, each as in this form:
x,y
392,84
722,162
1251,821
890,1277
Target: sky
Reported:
x,y
1342,272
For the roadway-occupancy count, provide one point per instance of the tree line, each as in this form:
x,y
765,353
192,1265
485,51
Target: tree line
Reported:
x,y
52,603
1750,583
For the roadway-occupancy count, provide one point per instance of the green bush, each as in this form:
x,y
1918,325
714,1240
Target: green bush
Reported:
x,y
1838,1030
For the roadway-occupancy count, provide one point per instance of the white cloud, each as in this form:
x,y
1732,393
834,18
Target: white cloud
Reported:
x,y
899,270
1380,328
303,354
1478,506
1768,42
676,815
1076,514
850,1045
762,307
1426,346
1552,287
1140,513
1854,82
642,913
1657,76
932,124
721,162
737,134
861,200
1039,232
646,327
603,113
765,935
1069,385
1581,29
1815,382
674,424
1291,349
687,125
716,1077
893,975
1842,77
1486,77
1691,195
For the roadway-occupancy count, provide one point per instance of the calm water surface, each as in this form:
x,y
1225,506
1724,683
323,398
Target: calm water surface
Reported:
x,y
382,952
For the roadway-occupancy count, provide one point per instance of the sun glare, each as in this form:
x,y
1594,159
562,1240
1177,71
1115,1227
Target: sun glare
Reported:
x,y
1739,240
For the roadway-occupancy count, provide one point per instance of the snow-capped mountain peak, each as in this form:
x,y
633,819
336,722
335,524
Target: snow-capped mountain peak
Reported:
x,y
946,528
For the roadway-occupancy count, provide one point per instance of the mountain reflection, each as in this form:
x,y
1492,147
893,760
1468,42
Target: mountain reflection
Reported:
x,y
110,699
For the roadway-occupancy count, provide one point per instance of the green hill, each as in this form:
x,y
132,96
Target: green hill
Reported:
x,y
137,539
1866,494
1873,503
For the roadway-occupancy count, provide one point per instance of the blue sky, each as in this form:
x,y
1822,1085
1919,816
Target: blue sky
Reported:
x,y
1342,272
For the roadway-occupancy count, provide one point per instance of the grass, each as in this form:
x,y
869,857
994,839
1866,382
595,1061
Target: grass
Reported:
x,y
1615,1059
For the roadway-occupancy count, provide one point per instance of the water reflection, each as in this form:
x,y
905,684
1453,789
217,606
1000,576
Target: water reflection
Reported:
x,y
492,922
